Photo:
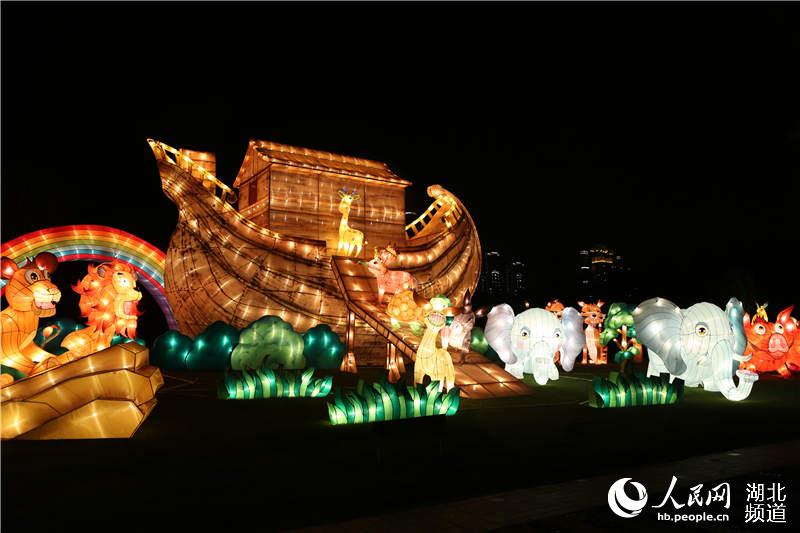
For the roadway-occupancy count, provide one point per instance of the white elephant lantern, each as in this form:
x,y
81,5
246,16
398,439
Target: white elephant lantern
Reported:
x,y
527,343
701,345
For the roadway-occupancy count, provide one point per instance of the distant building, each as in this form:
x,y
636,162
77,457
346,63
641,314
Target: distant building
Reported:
x,y
603,262
495,284
501,278
517,283
601,273
584,271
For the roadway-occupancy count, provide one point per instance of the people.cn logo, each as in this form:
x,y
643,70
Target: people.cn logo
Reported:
x,y
621,504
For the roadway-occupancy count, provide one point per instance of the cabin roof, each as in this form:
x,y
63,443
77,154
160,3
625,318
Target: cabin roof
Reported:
x,y
325,161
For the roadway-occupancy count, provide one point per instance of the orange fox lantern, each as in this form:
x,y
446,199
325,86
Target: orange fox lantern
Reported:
x,y
772,344
555,307
593,318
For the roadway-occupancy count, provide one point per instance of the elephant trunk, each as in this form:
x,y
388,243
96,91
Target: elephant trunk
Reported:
x,y
541,360
721,356
734,311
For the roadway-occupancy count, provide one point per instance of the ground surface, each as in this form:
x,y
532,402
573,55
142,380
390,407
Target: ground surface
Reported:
x,y
276,464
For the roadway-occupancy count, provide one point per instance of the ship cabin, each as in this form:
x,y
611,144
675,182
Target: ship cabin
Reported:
x,y
296,191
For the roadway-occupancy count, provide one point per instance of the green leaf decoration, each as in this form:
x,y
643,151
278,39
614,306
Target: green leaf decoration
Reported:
x,y
478,341
269,383
619,390
384,401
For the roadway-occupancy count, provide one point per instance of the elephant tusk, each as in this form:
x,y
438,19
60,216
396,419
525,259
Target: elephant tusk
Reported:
x,y
742,357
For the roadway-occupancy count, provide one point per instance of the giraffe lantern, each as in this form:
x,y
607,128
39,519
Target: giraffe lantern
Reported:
x,y
350,240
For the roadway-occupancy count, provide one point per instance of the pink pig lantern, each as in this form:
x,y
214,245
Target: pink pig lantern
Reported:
x,y
391,281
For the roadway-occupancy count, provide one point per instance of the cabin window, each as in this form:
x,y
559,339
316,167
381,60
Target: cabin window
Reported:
x,y
252,192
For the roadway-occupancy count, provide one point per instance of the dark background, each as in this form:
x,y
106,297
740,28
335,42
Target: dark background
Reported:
x,y
668,131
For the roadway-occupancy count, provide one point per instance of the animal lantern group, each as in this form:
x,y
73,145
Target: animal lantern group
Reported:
x,y
350,240
527,343
405,306
701,345
108,300
772,345
594,352
535,340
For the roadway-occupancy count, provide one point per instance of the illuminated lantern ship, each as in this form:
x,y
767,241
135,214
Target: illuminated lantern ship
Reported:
x,y
292,244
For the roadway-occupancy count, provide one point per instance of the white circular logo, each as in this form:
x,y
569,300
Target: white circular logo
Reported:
x,y
621,504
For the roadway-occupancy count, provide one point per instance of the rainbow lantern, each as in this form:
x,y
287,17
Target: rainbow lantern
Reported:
x,y
98,243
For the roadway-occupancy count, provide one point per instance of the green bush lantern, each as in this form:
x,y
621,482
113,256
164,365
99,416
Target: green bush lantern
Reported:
x,y
322,348
170,349
212,348
268,342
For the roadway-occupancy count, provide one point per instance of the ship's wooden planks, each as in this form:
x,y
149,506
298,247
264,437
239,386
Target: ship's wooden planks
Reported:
x,y
304,202
219,268
475,375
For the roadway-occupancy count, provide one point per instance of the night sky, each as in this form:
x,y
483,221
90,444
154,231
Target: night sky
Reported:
x,y
670,132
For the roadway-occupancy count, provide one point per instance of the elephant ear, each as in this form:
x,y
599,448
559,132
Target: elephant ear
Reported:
x,y
658,326
573,338
498,331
